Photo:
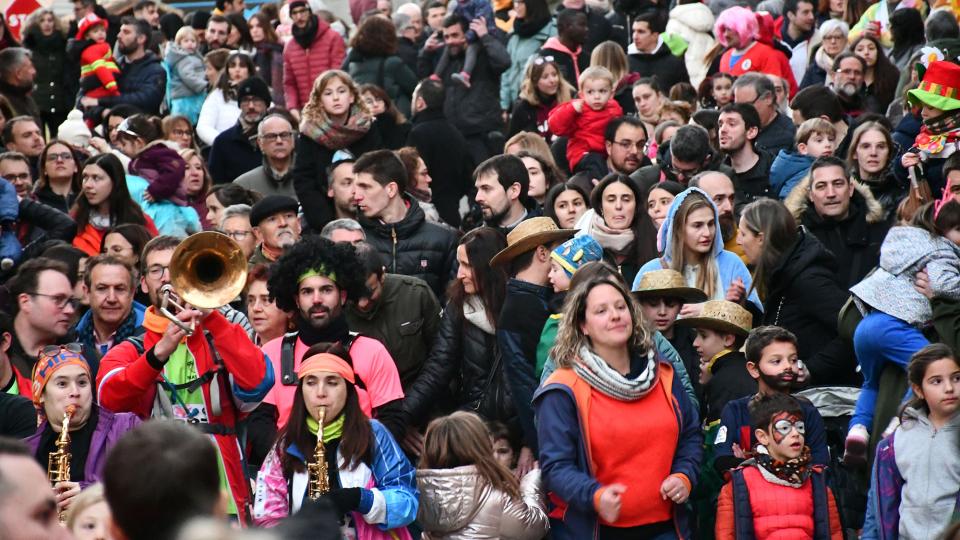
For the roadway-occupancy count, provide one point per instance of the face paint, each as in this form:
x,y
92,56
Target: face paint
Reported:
x,y
783,424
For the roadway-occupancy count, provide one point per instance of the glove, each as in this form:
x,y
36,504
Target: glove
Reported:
x,y
344,499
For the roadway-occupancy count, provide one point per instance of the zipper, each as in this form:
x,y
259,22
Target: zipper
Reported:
x,y
393,234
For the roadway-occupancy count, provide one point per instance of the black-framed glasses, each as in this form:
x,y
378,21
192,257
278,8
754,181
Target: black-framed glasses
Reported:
x,y
279,136
53,350
59,156
640,146
59,300
18,177
156,271
238,235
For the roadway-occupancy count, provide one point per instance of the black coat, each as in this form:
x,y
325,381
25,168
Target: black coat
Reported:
x,y
444,151
393,135
49,58
232,154
51,199
462,357
142,83
663,64
524,118
415,247
804,296
753,183
778,135
855,241
730,380
19,418
310,175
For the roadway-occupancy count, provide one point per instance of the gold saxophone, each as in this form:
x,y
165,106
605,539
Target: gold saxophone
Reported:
x,y
58,467
318,482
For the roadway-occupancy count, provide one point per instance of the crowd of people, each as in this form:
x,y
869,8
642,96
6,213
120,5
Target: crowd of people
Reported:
x,y
506,269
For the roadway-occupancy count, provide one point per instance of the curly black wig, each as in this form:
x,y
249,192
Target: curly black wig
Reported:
x,y
313,252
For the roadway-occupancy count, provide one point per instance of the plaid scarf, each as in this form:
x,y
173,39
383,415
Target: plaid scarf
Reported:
x,y
336,136
793,472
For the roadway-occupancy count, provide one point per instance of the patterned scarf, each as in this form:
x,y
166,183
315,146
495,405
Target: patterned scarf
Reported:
x,y
939,136
335,136
610,382
793,472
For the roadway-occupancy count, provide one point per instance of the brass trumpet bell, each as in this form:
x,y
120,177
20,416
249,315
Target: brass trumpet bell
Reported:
x,y
208,270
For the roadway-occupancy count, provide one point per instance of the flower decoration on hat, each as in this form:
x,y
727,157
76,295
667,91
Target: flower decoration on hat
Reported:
x,y
928,55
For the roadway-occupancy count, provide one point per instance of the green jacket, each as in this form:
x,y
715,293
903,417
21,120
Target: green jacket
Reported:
x,y
388,72
405,319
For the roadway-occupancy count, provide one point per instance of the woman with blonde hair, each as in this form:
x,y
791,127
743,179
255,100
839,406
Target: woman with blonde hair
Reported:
x,y
530,142
334,120
691,244
542,89
610,55
458,471
89,516
609,482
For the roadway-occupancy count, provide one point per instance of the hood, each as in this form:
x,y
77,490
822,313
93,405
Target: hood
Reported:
x,y
696,16
797,201
665,236
905,246
789,163
406,227
449,498
175,54
919,416
555,44
148,58
806,252
661,50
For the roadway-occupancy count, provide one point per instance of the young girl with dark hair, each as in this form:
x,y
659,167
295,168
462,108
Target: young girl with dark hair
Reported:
x,y
372,485
220,110
458,466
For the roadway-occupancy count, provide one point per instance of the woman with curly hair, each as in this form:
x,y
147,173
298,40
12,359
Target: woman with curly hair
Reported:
x,y
373,60
334,119
611,483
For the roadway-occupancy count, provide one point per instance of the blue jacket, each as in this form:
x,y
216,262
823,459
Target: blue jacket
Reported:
x,y
168,217
787,171
142,83
729,266
567,471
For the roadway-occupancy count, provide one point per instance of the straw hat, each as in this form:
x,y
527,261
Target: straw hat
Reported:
x,y
669,283
528,235
722,316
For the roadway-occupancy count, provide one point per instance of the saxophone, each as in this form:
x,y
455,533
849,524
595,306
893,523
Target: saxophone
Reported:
x,y
318,482
58,466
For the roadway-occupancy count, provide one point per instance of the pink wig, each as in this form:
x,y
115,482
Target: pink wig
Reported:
x,y
739,19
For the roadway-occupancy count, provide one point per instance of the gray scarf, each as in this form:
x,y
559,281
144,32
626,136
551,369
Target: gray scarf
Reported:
x,y
608,381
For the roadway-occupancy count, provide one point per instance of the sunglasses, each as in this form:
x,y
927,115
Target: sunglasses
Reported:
x,y
54,350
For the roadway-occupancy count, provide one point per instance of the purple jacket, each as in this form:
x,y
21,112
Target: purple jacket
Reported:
x,y
110,427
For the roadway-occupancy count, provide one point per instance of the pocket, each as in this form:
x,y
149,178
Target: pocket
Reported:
x,y
411,328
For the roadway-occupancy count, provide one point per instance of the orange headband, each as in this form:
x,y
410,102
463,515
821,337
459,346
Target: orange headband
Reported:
x,y
326,362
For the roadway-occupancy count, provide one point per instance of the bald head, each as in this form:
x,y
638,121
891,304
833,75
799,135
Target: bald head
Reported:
x,y
719,187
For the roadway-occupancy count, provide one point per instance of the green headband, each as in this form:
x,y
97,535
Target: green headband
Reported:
x,y
318,272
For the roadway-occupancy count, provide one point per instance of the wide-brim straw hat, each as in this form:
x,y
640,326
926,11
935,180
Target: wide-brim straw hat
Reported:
x,y
530,233
668,283
722,316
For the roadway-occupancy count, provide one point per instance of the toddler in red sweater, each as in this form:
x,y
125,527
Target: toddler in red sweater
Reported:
x,y
779,493
584,119
98,69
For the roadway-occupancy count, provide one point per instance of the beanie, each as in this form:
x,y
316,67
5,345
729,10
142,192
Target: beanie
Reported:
x,y
74,130
576,252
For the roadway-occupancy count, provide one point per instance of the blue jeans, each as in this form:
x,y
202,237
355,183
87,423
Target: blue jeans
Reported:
x,y
881,339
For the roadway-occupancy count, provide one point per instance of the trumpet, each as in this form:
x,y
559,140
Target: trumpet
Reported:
x,y
207,271
58,465
318,483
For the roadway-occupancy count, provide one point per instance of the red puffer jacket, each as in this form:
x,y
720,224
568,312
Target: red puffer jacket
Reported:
x,y
302,66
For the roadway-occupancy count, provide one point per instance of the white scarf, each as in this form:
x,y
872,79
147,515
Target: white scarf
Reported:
x,y
476,314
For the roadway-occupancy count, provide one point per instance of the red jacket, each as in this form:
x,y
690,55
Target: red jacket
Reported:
x,y
779,512
90,238
302,66
127,382
585,128
98,71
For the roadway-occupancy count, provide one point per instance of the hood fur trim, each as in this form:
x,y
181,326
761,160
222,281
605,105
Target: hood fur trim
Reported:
x,y
797,201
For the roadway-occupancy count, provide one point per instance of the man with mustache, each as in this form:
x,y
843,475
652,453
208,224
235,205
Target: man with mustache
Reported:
x,y
235,152
848,72
772,360
275,227
313,279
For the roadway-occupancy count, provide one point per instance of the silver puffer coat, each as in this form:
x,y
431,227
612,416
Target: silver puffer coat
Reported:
x,y
456,505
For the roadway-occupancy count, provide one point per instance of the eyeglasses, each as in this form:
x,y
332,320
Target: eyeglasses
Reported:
x,y
250,99
539,60
280,136
59,300
238,235
686,173
183,132
834,37
640,146
156,271
784,427
61,156
17,177
849,72
53,350
298,12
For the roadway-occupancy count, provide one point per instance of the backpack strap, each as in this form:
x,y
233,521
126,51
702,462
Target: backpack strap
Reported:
x,y
742,512
288,375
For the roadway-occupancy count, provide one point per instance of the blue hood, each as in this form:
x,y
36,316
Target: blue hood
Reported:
x,y
665,237
787,170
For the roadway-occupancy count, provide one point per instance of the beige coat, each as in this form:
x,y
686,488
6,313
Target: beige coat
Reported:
x,y
456,505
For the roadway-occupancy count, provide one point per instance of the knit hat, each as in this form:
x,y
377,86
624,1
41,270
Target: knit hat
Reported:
x,y
199,19
74,130
49,362
270,205
576,252
939,88
293,4
89,22
256,87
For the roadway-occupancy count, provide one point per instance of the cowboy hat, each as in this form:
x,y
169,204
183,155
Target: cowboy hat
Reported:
x,y
667,283
722,316
538,231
